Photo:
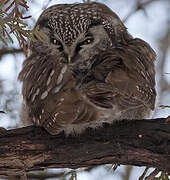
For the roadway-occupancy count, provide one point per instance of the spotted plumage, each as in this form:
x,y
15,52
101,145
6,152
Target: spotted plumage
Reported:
x,y
87,71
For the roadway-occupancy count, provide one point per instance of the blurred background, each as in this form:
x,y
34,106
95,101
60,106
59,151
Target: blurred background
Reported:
x,y
145,19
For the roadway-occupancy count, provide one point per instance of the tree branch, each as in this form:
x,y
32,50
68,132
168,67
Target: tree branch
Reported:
x,y
139,6
5,51
135,142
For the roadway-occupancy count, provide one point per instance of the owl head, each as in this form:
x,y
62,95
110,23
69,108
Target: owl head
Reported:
x,y
77,32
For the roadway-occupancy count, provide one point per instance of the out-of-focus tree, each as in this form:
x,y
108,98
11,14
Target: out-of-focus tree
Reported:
x,y
14,32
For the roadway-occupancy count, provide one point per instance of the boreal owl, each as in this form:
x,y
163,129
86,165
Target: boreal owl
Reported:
x,y
87,71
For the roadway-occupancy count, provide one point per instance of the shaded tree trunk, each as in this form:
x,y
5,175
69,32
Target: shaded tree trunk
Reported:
x,y
135,142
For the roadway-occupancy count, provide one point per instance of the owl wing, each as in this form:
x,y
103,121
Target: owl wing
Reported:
x,y
124,76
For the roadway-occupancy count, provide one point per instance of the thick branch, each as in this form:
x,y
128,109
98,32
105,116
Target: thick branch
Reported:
x,y
141,143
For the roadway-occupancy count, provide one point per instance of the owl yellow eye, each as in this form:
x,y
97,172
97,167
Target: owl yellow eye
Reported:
x,y
55,41
58,44
87,41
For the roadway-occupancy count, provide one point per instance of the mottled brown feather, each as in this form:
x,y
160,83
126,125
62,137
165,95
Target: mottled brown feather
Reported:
x,y
110,79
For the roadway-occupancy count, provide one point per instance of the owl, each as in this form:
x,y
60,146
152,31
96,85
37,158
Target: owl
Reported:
x,y
87,71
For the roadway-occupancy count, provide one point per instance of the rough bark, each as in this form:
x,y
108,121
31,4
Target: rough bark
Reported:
x,y
140,143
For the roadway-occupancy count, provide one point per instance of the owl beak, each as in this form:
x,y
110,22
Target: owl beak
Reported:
x,y
69,58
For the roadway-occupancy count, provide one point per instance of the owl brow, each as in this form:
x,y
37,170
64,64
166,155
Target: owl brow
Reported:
x,y
52,35
88,34
95,23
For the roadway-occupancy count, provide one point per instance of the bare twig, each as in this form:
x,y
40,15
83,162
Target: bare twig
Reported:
x,y
144,173
6,51
152,175
138,6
